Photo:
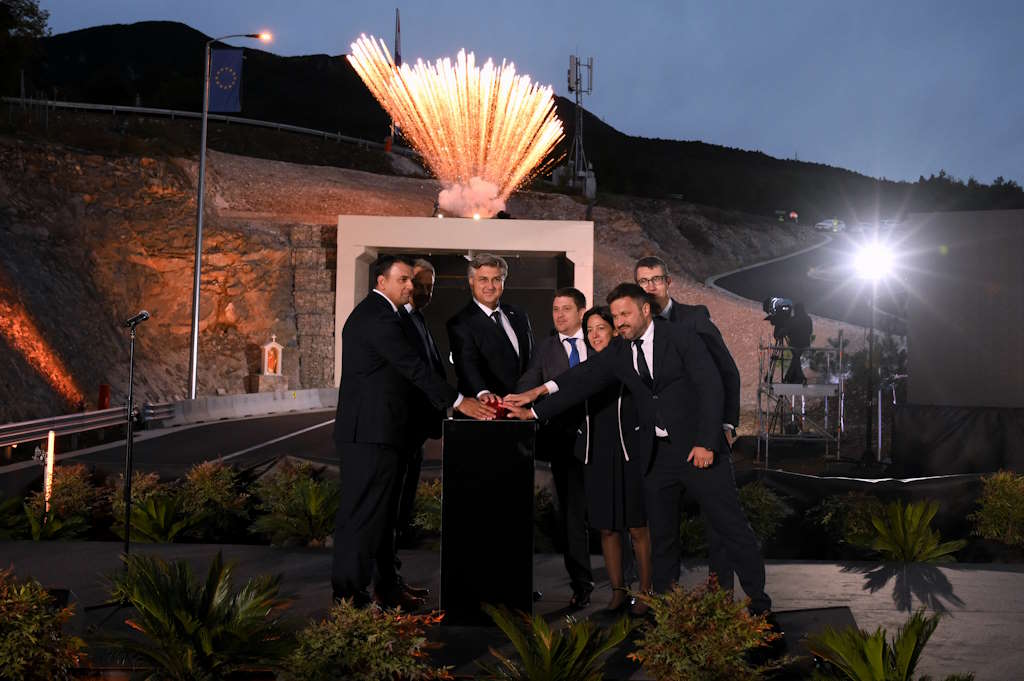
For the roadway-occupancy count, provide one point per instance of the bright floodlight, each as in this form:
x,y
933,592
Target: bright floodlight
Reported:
x,y
873,261
266,36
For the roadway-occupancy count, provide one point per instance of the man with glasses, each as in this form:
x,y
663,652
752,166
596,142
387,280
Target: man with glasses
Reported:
x,y
651,274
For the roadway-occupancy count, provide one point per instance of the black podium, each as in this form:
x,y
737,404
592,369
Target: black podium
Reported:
x,y
486,518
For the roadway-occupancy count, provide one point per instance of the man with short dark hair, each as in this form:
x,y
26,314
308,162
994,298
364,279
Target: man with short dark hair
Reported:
x,y
491,342
651,274
556,439
676,436
381,372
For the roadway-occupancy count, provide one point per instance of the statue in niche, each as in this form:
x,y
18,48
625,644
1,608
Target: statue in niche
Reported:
x,y
272,357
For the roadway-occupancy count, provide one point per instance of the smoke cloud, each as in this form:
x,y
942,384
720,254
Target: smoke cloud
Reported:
x,y
479,197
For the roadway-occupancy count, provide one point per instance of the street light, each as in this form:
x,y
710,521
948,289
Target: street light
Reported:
x,y
873,262
193,356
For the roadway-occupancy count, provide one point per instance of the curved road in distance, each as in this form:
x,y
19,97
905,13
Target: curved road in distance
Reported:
x,y
822,279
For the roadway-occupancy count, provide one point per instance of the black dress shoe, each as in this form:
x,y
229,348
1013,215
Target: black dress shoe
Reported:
x,y
397,597
417,591
580,599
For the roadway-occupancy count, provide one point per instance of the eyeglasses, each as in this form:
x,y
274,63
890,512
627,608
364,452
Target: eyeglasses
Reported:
x,y
657,280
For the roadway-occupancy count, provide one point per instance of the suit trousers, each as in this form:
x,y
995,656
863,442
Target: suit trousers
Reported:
x,y
411,465
364,530
567,472
714,488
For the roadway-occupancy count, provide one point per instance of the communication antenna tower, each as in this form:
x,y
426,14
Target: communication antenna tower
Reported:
x,y
581,82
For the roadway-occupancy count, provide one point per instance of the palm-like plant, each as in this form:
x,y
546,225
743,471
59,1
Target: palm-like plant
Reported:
x,y
576,653
905,534
304,516
12,519
856,655
54,527
196,630
160,519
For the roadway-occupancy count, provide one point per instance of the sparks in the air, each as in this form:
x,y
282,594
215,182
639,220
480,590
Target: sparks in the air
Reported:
x,y
484,131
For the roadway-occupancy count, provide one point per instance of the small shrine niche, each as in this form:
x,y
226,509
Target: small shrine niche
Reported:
x,y
272,357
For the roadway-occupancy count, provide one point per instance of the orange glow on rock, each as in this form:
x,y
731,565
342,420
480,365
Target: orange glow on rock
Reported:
x,y
22,335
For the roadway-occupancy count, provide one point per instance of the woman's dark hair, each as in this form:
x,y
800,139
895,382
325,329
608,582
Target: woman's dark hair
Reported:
x,y
602,311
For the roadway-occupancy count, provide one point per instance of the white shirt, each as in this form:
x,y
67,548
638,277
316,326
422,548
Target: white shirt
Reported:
x,y
647,341
581,347
408,307
667,310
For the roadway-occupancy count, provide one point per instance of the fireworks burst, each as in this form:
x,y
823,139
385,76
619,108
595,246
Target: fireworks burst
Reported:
x,y
483,130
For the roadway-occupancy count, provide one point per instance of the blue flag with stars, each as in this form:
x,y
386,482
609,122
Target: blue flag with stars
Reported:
x,y
226,80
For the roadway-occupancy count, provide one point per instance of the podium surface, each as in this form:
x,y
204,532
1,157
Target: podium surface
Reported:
x,y
486,518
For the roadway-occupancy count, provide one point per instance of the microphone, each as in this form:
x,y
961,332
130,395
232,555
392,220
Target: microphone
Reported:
x,y
137,319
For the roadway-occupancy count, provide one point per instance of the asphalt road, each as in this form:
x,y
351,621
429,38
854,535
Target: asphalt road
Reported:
x,y
171,452
823,279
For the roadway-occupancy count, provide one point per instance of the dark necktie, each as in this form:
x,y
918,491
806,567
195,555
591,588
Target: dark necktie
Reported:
x,y
421,326
496,316
641,364
574,352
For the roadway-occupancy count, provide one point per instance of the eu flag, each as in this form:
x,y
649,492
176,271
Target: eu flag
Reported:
x,y
226,80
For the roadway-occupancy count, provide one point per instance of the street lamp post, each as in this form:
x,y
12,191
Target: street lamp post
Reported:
x,y
871,371
874,262
193,357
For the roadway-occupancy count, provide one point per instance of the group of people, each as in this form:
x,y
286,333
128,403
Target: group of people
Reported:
x,y
638,400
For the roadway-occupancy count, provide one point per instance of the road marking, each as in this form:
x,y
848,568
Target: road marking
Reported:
x,y
710,281
274,441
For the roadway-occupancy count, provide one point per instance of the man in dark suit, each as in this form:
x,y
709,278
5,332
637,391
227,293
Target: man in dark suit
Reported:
x,y
557,439
491,342
381,373
425,419
651,274
677,436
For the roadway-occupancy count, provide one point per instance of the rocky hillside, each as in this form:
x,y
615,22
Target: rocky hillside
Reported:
x,y
88,240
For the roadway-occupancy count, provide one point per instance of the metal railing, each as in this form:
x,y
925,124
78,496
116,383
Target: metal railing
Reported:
x,y
31,431
176,113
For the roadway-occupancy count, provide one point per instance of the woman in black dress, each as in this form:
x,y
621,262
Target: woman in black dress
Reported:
x,y
613,483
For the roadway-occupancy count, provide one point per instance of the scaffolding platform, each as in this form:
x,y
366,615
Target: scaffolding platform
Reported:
x,y
811,411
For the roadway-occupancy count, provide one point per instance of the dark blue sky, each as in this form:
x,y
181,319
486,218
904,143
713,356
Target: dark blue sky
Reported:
x,y
893,89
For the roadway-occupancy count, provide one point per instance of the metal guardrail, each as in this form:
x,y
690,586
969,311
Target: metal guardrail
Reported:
x,y
28,431
173,113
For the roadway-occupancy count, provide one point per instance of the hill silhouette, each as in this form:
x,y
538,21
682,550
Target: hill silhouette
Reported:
x,y
160,63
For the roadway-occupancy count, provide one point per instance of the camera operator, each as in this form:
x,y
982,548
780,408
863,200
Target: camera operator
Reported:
x,y
797,330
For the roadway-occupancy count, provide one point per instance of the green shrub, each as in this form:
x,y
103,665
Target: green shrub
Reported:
x,y
32,643
577,652
846,519
427,508
295,507
13,522
855,655
764,509
144,486
54,527
211,489
193,629
1000,514
904,534
161,519
363,644
693,538
72,494
702,634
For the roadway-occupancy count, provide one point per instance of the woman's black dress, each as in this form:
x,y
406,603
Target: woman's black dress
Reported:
x,y
614,486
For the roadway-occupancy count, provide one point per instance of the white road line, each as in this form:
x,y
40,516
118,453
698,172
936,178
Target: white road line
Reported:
x,y
274,441
710,281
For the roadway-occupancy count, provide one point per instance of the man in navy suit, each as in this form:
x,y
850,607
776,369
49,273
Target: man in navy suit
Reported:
x,y
677,434
491,342
651,274
557,439
382,375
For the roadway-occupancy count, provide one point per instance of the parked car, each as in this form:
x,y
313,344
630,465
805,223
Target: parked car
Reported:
x,y
830,225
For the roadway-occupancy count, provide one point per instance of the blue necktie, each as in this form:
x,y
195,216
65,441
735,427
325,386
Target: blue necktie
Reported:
x,y
574,352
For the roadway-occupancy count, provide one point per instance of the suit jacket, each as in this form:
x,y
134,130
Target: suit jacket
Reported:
x,y
482,353
424,419
381,375
561,431
686,398
698,318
